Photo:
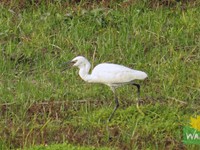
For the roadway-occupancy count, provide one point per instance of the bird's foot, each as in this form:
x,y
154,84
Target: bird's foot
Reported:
x,y
139,110
140,102
110,138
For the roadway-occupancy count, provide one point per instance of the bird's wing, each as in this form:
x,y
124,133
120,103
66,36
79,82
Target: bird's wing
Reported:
x,y
113,73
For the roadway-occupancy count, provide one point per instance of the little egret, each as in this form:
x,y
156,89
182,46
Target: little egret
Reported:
x,y
110,74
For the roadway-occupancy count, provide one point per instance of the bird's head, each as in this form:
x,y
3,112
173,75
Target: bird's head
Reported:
x,y
78,61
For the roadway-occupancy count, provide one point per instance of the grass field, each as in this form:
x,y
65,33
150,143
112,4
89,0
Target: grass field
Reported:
x,y
45,108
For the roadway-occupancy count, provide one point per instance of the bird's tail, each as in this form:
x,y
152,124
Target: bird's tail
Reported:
x,y
141,75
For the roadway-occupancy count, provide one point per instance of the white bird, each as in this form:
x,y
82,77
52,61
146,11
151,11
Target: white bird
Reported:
x,y
112,75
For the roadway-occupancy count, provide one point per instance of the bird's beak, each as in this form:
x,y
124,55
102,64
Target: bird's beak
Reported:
x,y
67,65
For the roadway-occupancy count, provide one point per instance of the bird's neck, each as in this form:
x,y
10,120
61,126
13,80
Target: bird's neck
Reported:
x,y
84,72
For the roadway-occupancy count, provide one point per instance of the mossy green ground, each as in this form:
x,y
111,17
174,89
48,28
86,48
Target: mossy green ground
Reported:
x,y
40,104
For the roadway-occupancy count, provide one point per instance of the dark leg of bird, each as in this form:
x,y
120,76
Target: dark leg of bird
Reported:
x,y
138,101
116,106
138,88
110,117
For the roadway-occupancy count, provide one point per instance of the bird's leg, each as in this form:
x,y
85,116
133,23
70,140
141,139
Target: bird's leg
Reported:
x,y
110,117
138,89
116,106
138,92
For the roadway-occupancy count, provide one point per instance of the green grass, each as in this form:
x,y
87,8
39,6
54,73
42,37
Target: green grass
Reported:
x,y
64,146
42,105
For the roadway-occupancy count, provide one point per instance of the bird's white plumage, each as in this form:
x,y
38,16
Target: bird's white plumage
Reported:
x,y
107,73
115,74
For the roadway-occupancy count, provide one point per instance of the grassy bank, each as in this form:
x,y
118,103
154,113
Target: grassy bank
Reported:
x,y
42,105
